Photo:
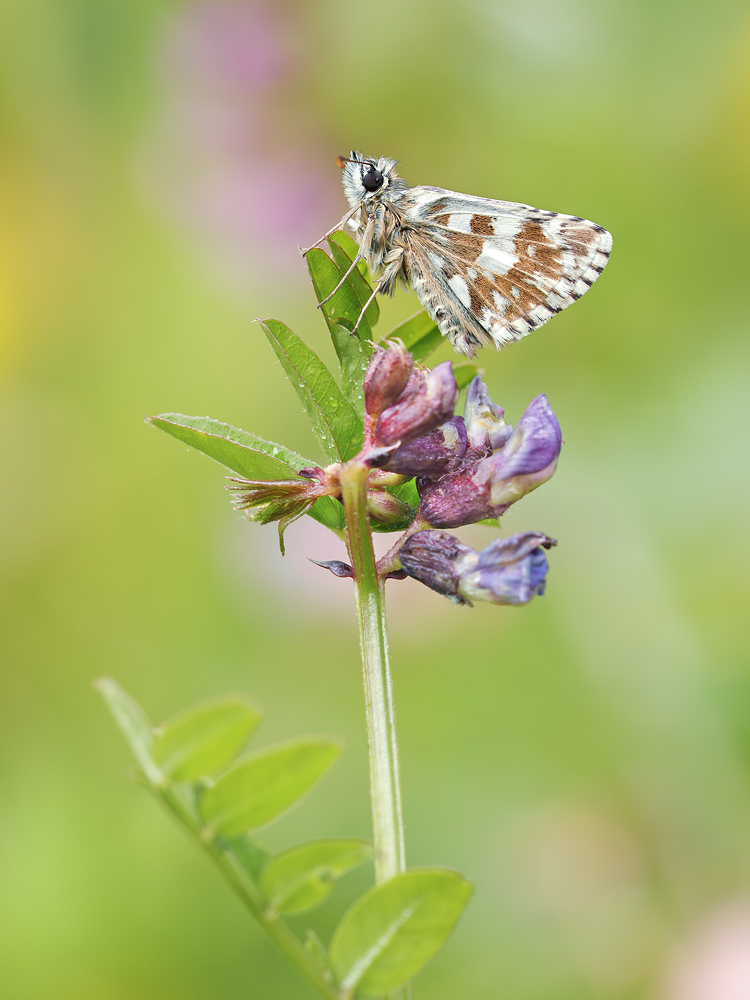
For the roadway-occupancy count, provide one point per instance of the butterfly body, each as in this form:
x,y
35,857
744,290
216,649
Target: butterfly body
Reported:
x,y
487,272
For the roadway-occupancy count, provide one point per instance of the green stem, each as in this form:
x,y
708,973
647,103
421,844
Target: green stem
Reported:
x,y
285,940
385,790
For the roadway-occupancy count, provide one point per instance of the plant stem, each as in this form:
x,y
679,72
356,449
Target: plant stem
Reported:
x,y
285,940
385,789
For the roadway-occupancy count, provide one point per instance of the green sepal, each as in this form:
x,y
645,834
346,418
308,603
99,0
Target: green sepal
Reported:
x,y
263,785
362,288
345,304
303,877
420,335
394,930
334,420
204,738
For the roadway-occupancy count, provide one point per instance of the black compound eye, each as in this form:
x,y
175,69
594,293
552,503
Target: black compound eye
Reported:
x,y
372,179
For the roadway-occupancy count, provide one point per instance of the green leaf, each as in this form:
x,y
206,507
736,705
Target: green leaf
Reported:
x,y
263,785
394,930
465,373
251,856
350,248
333,418
362,287
420,335
345,304
204,738
244,453
304,876
248,455
133,723
354,360
316,950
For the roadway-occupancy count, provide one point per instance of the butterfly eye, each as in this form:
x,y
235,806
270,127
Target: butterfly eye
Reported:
x,y
372,180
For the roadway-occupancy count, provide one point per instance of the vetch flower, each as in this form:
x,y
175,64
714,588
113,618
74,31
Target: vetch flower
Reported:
x,y
508,571
500,465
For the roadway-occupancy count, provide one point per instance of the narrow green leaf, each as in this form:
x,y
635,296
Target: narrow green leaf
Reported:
x,y
133,723
420,335
248,455
329,512
465,373
349,246
354,360
204,738
394,930
344,305
333,418
316,949
304,876
265,784
362,287
244,453
251,856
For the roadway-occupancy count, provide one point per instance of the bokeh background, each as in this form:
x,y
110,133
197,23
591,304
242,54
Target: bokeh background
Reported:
x,y
586,760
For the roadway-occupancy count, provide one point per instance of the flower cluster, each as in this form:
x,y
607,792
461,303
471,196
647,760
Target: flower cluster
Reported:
x,y
467,468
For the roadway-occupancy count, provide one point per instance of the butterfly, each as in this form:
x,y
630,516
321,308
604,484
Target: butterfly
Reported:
x,y
487,272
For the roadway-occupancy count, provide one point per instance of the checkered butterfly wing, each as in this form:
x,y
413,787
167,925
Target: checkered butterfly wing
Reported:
x,y
492,271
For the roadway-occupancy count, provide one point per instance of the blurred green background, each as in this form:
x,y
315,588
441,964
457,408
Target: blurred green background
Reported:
x,y
586,760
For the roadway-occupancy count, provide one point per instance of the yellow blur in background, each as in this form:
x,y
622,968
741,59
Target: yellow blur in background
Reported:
x,y
585,760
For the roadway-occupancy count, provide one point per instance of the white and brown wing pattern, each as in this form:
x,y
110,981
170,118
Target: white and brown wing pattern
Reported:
x,y
492,271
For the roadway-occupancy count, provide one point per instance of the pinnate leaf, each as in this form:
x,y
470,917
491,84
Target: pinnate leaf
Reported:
x,y
133,723
263,785
334,420
303,877
204,738
394,930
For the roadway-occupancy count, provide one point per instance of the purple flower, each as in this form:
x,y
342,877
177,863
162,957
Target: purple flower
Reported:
x,y
508,571
500,466
433,454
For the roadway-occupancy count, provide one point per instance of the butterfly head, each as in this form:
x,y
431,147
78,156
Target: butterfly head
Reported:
x,y
366,179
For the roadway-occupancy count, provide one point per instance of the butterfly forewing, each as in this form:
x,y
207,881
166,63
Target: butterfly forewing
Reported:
x,y
507,267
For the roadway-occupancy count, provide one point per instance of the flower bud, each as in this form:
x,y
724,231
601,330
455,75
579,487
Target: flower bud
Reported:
x,y
529,456
388,509
485,425
431,455
386,377
509,571
437,559
425,404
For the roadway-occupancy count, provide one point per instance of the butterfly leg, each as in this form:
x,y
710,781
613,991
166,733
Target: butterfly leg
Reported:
x,y
339,225
357,259
395,260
